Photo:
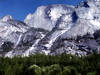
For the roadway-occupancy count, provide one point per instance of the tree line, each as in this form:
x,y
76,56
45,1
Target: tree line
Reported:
x,y
40,64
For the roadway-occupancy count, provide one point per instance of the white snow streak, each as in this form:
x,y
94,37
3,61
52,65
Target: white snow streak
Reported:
x,y
31,49
55,35
19,39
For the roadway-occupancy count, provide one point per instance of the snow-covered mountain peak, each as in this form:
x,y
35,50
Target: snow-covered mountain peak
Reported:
x,y
67,17
47,17
56,12
29,16
11,30
55,29
6,18
93,0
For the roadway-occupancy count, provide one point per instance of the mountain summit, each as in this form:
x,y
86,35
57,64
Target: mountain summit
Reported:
x,y
6,18
82,19
55,29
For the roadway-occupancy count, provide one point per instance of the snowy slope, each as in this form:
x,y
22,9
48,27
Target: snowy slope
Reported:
x,y
28,42
46,17
73,21
83,19
11,30
6,18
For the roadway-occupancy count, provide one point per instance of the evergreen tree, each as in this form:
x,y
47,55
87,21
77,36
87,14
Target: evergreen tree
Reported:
x,y
55,70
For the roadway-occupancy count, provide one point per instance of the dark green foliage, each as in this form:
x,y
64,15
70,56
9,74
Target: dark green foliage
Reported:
x,y
69,71
91,73
98,69
54,70
34,70
40,64
66,71
45,70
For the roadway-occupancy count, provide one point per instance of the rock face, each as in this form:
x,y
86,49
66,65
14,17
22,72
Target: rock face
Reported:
x,y
82,19
53,29
47,17
10,32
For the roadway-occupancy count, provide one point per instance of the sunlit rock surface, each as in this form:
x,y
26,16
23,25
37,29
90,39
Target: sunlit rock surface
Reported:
x,y
53,29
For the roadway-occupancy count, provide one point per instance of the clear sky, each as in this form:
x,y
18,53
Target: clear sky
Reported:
x,y
19,9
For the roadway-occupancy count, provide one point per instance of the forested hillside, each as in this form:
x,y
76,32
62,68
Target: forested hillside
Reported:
x,y
40,64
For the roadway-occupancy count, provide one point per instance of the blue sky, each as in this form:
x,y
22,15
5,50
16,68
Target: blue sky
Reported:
x,y
19,9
